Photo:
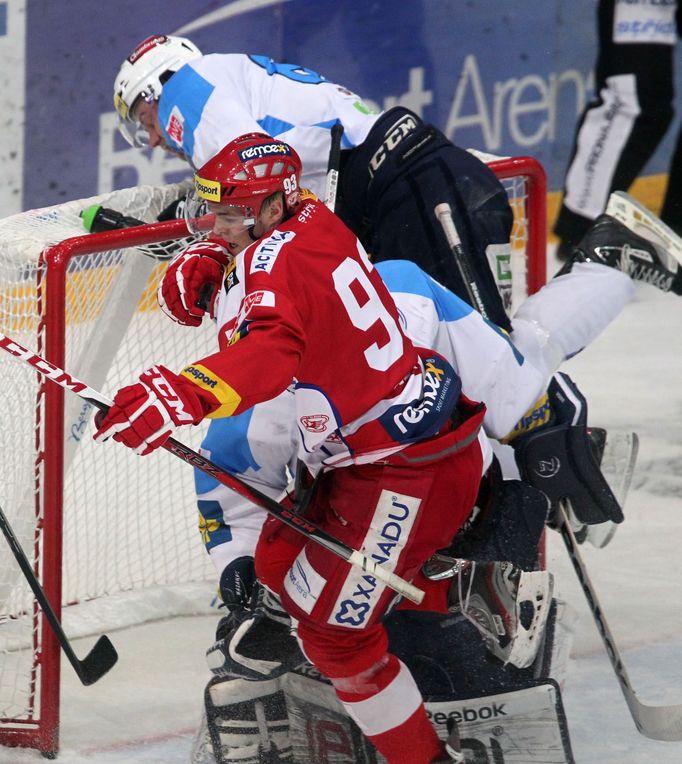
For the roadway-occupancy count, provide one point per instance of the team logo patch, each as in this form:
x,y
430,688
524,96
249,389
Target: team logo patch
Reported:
x,y
315,422
389,531
230,276
175,127
252,299
266,253
424,417
240,324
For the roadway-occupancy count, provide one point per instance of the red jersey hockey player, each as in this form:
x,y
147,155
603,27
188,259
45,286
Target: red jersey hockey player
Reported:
x,y
384,422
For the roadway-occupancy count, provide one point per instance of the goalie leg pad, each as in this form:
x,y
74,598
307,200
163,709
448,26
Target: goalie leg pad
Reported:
x,y
516,727
247,721
508,526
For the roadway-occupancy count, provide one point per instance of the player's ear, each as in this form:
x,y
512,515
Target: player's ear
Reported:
x,y
273,210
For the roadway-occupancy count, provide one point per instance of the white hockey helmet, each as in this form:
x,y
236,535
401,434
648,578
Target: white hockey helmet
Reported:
x,y
142,76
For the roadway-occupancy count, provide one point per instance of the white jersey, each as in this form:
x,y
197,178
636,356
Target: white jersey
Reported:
x,y
509,374
216,98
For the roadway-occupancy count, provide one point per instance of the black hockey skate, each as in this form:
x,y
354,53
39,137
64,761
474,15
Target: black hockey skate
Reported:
x,y
632,239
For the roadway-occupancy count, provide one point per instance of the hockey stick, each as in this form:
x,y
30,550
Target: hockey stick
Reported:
x,y
102,656
444,215
303,526
333,166
657,722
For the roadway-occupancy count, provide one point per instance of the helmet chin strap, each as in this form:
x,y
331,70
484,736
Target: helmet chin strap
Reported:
x,y
250,232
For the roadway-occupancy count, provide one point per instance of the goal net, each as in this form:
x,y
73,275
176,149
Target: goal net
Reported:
x,y
113,537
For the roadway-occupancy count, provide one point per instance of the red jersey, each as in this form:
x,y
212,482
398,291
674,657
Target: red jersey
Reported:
x,y
304,305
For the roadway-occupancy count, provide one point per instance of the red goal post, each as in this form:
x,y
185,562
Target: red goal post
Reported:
x,y
112,537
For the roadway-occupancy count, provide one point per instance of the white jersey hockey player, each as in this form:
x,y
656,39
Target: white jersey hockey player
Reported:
x,y
213,99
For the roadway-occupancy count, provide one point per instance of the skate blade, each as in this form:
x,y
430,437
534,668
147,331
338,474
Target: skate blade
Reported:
x,y
440,566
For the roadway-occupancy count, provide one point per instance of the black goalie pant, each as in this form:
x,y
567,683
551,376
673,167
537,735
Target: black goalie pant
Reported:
x,y
390,185
621,127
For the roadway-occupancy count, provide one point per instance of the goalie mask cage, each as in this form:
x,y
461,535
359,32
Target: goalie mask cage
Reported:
x,y
112,537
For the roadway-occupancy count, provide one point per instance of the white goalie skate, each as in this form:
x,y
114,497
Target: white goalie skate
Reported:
x,y
507,605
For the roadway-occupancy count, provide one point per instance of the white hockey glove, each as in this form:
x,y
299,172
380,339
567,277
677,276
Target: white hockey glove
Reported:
x,y
190,286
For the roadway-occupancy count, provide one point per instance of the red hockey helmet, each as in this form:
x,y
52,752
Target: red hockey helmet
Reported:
x,y
245,173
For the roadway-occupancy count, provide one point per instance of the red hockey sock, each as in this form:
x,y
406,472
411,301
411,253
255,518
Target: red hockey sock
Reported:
x,y
413,742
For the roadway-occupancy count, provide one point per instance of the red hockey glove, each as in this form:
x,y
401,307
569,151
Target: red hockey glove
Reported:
x,y
144,415
180,289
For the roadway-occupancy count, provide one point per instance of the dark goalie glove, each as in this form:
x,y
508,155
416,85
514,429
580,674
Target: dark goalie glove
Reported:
x,y
255,642
237,582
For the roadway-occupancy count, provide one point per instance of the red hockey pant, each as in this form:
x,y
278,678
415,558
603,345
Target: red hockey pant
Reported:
x,y
398,514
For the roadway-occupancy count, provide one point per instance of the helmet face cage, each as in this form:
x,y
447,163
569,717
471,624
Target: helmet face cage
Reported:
x,y
245,173
142,76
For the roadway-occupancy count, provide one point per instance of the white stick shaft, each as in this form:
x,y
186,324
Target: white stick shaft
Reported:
x,y
444,215
386,577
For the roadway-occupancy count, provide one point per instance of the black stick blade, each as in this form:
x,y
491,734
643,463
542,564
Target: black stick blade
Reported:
x,y
98,661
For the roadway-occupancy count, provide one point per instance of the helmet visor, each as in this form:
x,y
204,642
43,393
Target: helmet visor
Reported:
x,y
197,215
129,125
134,134
226,220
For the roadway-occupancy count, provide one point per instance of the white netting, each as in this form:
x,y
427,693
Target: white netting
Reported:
x,y
129,522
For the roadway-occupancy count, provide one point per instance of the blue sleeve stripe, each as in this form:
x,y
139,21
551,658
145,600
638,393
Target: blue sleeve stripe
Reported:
x,y
189,91
227,441
346,143
405,276
274,126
